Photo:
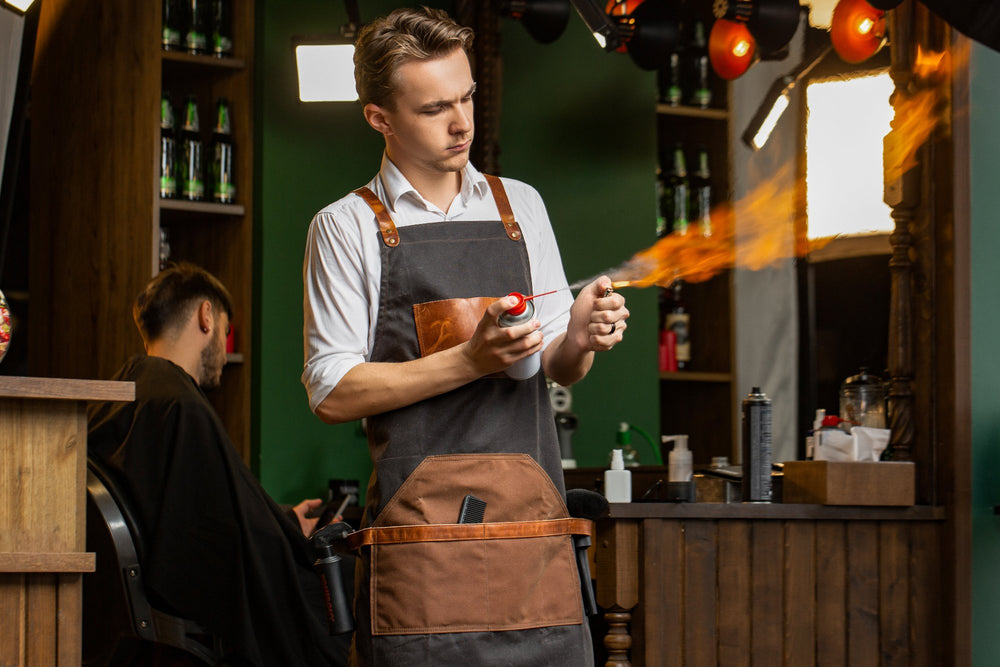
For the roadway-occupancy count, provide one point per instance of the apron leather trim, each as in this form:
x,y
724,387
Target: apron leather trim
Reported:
x,y
503,206
471,531
449,322
390,236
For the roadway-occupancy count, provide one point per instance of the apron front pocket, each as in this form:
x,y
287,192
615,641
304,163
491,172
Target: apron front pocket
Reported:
x,y
474,585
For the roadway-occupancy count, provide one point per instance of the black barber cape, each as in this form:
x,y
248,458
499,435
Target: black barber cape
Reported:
x,y
218,549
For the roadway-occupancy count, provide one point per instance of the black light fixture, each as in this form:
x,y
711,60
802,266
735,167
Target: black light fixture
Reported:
x,y
603,27
545,20
771,22
776,101
648,30
325,63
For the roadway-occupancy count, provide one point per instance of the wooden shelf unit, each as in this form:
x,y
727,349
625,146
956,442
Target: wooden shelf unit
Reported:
x,y
700,400
96,213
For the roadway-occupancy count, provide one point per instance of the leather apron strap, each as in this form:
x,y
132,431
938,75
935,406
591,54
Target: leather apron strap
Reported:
x,y
467,531
385,224
388,228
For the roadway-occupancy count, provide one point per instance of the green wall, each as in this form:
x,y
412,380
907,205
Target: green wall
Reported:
x,y
985,297
577,123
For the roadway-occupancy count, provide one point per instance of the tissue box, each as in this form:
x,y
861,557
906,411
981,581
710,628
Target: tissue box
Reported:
x,y
849,482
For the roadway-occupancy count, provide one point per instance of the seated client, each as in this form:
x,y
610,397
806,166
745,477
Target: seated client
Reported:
x,y
219,550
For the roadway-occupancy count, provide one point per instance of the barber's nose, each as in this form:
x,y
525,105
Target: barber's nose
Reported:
x,y
462,121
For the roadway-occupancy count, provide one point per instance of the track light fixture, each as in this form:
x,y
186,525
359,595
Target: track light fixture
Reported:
x,y
545,20
325,63
648,30
731,48
771,22
776,101
857,30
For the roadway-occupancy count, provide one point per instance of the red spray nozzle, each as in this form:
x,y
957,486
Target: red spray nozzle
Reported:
x,y
519,306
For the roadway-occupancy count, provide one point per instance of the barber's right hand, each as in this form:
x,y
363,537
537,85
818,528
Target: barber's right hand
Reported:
x,y
493,348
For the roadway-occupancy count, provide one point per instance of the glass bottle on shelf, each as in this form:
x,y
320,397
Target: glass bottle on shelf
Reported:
x,y
701,199
678,320
196,37
222,28
670,80
223,184
173,25
661,219
168,149
699,69
192,171
677,194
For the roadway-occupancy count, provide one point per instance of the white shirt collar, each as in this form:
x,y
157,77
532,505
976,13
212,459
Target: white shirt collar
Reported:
x,y
394,185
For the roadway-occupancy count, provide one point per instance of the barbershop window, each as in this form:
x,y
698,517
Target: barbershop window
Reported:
x,y
844,287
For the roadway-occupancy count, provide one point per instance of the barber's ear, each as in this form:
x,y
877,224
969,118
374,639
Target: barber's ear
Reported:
x,y
205,316
377,119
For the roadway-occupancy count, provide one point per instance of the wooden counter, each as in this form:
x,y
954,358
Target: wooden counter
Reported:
x,y
771,584
43,458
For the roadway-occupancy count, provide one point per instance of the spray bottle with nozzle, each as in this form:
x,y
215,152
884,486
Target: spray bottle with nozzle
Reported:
x,y
679,464
522,312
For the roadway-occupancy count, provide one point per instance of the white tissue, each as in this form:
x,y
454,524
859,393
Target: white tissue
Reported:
x,y
863,444
870,442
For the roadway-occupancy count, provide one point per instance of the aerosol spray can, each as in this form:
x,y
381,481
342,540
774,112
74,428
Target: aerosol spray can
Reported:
x,y
756,447
522,312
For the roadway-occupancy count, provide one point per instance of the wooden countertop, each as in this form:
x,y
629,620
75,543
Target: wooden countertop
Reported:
x,y
65,389
776,511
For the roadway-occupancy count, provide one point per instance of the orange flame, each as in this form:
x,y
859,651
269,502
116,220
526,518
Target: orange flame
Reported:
x,y
920,112
763,236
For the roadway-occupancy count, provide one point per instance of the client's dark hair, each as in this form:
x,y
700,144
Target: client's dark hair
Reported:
x,y
168,298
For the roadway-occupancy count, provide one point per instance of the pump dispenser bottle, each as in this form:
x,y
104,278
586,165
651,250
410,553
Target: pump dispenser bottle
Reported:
x,y
679,465
618,480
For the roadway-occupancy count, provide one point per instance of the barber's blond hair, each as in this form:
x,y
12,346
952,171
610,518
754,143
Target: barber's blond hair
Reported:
x,y
403,36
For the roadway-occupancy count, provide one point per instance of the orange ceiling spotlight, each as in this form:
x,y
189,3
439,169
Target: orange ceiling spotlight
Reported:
x,y
857,30
771,22
731,48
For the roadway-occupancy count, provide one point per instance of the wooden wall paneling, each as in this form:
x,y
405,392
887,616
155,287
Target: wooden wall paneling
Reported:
x,y
734,592
800,593
862,594
767,570
932,644
660,628
894,593
13,629
831,594
91,183
700,594
41,621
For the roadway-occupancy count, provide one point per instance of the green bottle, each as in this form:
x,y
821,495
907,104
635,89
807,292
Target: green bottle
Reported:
x,y
192,171
677,193
223,182
168,149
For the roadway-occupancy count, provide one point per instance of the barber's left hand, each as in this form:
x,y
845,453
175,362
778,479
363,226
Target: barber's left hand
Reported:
x,y
599,319
308,525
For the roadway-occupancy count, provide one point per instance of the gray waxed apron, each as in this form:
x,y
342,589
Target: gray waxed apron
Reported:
x,y
432,591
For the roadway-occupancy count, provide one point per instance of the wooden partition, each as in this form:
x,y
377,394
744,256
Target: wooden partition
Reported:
x,y
43,464
716,584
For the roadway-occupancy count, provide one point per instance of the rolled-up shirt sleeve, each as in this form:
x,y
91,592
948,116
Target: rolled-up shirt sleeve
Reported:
x,y
337,303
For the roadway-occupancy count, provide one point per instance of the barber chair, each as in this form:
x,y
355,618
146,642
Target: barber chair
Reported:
x,y
121,625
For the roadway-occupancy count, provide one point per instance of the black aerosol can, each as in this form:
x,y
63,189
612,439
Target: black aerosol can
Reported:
x,y
756,447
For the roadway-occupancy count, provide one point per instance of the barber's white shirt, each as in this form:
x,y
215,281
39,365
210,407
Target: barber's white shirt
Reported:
x,y
342,269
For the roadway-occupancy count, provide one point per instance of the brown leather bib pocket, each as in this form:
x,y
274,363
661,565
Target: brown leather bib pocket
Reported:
x,y
447,323
462,583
